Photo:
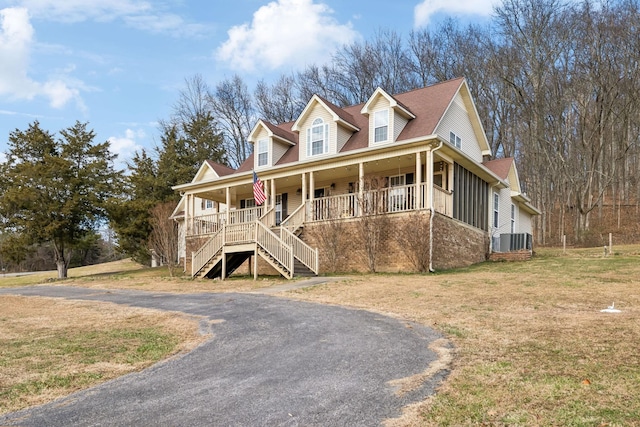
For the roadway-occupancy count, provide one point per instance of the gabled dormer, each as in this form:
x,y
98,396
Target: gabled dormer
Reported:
x,y
210,171
461,127
269,144
323,128
387,117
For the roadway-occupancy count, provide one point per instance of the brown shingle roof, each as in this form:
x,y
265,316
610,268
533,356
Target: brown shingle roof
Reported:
x,y
342,113
427,104
221,170
283,131
500,167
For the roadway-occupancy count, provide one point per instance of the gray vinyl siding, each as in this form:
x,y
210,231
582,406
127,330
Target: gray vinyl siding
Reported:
x,y
523,222
456,120
343,137
276,151
504,212
399,123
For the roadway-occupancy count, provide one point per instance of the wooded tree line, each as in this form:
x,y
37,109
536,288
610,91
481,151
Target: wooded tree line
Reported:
x,y
555,83
556,86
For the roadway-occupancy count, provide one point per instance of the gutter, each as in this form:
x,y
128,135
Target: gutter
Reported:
x,y
432,212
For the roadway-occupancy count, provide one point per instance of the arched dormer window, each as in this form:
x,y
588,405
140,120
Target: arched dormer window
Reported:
x,y
318,138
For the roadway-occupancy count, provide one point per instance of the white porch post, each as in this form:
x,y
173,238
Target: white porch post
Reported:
x,y
312,192
419,180
360,187
304,194
273,193
187,221
429,179
228,203
265,184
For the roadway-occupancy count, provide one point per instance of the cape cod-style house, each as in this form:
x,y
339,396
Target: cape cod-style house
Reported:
x,y
423,151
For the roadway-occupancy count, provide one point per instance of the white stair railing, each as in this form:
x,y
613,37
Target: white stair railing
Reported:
x,y
201,257
296,219
275,247
303,252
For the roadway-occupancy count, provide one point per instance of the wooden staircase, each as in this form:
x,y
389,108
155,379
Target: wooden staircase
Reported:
x,y
233,244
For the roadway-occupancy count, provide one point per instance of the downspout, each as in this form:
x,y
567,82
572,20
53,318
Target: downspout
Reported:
x,y
432,211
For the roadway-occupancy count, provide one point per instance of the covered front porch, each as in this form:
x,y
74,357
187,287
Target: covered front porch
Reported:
x,y
416,179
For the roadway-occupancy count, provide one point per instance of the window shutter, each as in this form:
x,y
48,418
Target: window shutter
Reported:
x,y
242,204
284,205
326,138
202,204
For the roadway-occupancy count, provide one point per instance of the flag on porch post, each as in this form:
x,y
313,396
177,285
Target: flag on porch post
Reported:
x,y
258,190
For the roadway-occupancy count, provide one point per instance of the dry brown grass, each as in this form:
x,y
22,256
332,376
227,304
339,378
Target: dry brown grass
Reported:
x,y
50,347
532,347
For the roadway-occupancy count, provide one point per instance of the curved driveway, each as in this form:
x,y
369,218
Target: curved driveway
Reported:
x,y
270,362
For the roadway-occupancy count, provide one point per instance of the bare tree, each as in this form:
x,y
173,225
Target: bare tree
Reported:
x,y
413,237
232,106
280,102
373,224
333,241
164,235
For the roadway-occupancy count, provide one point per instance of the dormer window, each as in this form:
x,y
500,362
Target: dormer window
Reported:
x,y
381,126
318,138
263,152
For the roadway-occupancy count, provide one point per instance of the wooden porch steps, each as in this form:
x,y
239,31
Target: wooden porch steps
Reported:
x,y
301,270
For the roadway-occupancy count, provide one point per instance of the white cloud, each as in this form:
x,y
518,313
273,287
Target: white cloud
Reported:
x,y
82,10
427,8
126,146
3,157
291,32
16,40
142,15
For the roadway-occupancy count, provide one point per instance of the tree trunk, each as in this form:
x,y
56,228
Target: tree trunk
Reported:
x,y
62,269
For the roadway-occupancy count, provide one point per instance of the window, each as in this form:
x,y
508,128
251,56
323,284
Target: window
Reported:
x,y
397,197
263,152
208,204
496,204
381,125
455,140
318,138
513,219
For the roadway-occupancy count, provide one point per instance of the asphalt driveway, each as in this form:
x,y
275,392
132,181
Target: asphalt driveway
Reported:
x,y
270,362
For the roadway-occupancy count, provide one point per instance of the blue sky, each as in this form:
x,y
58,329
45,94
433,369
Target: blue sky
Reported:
x,y
120,64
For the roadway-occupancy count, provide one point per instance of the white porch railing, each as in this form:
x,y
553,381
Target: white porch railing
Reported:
x,y
208,224
239,233
205,224
442,201
238,216
303,252
386,200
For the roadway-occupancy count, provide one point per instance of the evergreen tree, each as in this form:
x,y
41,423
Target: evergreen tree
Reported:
x,y
55,190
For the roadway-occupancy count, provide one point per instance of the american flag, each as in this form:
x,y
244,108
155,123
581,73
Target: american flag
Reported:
x,y
258,191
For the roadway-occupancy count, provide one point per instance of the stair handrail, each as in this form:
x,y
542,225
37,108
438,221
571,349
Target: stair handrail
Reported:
x,y
296,219
301,251
275,247
202,256
269,217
